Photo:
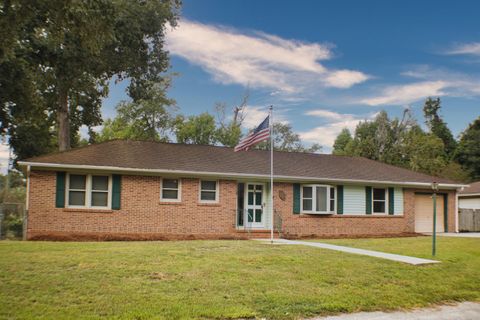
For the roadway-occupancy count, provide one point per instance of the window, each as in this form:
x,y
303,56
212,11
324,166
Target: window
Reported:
x,y
170,190
99,191
88,191
318,199
208,191
379,200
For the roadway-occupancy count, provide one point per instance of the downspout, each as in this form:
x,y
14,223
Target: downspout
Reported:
x,y
27,200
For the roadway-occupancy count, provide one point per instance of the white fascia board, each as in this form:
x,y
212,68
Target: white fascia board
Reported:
x,y
226,175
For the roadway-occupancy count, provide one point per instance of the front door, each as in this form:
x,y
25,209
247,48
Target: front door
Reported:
x,y
254,205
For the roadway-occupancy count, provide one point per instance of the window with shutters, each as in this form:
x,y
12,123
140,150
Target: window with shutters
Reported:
x,y
208,191
171,190
379,200
89,191
317,199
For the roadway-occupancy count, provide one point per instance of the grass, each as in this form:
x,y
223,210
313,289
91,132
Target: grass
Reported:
x,y
227,279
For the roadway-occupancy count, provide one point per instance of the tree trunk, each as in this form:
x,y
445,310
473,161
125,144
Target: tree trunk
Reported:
x,y
63,121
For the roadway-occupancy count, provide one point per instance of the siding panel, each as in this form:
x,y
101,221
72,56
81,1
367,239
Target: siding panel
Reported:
x,y
398,199
354,200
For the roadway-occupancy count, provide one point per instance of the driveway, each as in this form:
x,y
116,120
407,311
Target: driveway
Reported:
x,y
462,311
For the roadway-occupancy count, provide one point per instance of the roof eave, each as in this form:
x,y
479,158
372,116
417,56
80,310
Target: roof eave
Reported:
x,y
233,175
469,194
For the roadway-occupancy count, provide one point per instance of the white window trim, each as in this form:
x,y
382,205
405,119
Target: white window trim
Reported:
x,y
179,189
217,184
386,202
88,192
314,197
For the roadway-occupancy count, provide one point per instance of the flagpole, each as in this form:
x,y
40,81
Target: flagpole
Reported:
x,y
271,174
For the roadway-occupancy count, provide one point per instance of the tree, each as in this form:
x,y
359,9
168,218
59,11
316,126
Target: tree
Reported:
x,y
67,51
437,126
199,129
284,139
341,142
145,119
230,131
468,151
423,152
398,142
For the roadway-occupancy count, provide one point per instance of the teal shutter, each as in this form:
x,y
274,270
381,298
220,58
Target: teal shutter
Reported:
x,y
445,211
60,191
116,191
296,198
339,199
391,201
368,200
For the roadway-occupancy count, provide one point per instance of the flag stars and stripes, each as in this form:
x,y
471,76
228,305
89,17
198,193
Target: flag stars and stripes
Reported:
x,y
261,133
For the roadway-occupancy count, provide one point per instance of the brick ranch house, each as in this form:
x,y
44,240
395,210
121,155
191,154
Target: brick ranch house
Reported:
x,y
149,190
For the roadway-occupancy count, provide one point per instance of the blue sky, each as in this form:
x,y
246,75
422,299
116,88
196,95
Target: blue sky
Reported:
x,y
325,65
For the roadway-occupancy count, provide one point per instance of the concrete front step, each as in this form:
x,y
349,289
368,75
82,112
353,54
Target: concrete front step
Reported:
x,y
257,234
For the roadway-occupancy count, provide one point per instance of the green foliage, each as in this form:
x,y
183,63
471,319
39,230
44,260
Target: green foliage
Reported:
x,y
149,118
424,152
229,135
397,142
468,151
57,57
341,142
454,171
285,139
199,129
437,126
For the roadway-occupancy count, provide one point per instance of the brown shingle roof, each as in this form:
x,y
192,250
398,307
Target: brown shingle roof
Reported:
x,y
472,189
213,159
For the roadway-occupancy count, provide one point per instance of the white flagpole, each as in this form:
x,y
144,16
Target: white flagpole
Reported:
x,y
271,174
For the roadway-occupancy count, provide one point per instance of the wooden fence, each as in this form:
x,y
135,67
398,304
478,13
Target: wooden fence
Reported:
x,y
469,220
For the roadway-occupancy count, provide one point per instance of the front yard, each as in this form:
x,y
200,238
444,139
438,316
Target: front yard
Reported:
x,y
227,279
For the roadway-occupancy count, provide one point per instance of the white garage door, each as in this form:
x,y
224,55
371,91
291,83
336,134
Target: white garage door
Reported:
x,y
424,213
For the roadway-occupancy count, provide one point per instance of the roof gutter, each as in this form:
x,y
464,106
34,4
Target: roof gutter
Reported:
x,y
231,175
468,194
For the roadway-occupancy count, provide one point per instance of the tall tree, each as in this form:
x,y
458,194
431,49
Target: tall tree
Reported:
x,y
399,142
341,142
67,51
229,128
437,126
149,118
199,129
285,139
468,151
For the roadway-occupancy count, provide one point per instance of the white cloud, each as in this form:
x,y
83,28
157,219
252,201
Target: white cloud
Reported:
x,y
257,59
404,94
336,122
254,115
326,114
466,49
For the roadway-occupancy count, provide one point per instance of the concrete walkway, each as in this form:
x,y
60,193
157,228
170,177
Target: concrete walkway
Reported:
x,y
462,311
370,253
460,234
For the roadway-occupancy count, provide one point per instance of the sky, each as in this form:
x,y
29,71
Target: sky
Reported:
x,y
324,65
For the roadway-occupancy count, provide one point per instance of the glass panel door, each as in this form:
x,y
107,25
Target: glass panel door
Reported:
x,y
254,205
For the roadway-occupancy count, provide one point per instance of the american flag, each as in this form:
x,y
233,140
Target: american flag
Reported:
x,y
261,133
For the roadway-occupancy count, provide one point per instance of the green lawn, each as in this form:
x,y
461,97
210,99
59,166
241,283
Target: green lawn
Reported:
x,y
227,279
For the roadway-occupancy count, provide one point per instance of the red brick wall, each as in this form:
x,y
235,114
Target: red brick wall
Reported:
x,y
143,216
298,225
